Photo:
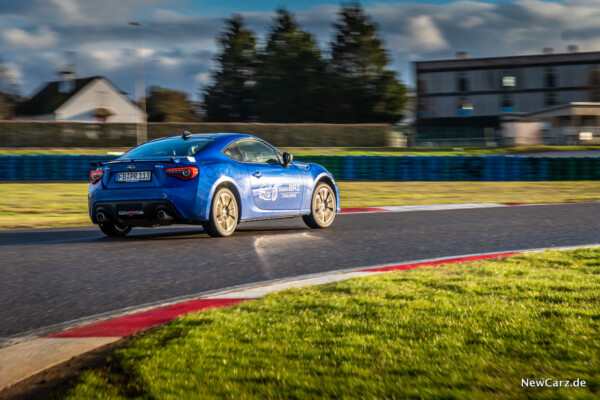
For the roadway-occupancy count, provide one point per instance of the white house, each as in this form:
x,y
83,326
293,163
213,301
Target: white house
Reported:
x,y
93,99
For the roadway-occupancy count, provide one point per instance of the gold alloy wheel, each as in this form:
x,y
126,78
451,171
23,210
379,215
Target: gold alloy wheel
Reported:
x,y
324,205
226,212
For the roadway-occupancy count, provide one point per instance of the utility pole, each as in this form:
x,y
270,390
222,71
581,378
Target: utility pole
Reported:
x,y
140,85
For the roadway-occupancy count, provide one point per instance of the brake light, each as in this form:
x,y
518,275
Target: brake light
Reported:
x,y
183,173
95,176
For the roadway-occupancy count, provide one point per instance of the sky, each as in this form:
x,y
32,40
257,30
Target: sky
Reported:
x,y
178,36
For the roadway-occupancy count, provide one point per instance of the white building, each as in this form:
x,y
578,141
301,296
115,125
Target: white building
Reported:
x,y
93,99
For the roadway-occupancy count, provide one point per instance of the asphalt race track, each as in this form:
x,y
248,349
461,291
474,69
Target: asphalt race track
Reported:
x,y
49,276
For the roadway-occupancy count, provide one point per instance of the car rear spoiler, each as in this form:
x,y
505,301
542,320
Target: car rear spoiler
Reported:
x,y
129,160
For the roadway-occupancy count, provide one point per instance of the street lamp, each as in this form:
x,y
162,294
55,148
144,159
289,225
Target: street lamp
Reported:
x,y
140,86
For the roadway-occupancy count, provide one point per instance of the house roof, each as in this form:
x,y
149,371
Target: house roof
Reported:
x,y
49,98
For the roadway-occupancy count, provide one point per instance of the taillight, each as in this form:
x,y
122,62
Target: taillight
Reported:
x,y
95,176
183,173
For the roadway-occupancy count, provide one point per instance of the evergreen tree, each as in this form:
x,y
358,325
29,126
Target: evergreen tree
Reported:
x,y
166,105
364,90
231,97
291,81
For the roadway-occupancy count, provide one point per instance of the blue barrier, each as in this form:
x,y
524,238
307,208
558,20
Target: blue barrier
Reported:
x,y
375,168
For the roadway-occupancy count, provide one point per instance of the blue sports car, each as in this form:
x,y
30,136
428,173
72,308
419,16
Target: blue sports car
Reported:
x,y
217,180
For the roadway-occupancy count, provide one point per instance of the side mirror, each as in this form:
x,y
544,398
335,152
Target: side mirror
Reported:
x,y
287,159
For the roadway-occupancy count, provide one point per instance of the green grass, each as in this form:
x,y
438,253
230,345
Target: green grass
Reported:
x,y
470,330
36,205
341,151
365,194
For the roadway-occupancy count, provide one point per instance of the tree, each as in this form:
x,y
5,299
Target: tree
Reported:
x,y
291,80
9,92
231,96
365,91
167,105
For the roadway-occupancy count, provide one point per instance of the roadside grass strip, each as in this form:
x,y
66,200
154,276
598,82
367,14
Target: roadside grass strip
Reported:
x,y
37,205
468,330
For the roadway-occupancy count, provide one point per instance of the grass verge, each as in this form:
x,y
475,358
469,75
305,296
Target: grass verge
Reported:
x,y
365,194
36,205
471,330
337,151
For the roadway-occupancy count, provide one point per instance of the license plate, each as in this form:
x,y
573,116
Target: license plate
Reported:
x,y
137,176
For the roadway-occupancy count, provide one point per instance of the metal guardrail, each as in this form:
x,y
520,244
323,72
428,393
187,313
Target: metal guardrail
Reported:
x,y
375,168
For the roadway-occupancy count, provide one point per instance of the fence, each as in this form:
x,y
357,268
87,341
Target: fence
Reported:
x,y
453,136
376,168
572,135
81,134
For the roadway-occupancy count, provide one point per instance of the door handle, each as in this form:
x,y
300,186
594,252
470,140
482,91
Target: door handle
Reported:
x,y
257,174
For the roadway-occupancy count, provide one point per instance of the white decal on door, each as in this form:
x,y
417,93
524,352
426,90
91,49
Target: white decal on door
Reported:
x,y
271,192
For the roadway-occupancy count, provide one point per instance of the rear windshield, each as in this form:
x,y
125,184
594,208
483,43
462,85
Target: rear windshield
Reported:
x,y
168,147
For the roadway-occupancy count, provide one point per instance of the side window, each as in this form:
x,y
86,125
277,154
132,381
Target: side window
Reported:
x,y
232,151
258,152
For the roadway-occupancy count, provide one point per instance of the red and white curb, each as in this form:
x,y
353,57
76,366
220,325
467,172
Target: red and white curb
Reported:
x,y
29,357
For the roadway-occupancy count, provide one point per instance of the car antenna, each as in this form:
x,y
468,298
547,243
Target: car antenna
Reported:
x,y
186,135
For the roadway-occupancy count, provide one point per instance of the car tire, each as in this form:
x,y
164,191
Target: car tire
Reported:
x,y
322,207
113,230
224,214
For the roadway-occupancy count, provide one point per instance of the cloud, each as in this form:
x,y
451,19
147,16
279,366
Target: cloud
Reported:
x,y
108,59
70,10
471,22
202,78
146,53
168,61
425,34
178,39
582,34
42,38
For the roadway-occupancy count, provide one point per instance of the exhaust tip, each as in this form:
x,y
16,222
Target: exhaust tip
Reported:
x,y
100,216
163,215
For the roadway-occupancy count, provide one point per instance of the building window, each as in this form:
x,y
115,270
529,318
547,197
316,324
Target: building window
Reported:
x,y
550,99
550,78
509,81
507,103
421,85
465,107
421,100
595,76
421,107
462,83
102,115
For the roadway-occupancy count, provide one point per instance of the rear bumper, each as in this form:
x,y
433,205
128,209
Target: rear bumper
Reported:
x,y
136,212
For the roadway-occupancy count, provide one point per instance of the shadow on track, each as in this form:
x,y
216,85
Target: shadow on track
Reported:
x,y
200,234
46,236
60,236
